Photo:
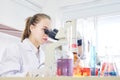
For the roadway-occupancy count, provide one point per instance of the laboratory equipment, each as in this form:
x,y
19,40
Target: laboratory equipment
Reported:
x,y
62,66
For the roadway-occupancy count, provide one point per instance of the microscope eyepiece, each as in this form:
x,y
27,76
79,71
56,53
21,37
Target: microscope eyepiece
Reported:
x,y
55,30
51,33
46,31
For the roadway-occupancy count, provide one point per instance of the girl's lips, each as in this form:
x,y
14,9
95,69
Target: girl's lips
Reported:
x,y
45,39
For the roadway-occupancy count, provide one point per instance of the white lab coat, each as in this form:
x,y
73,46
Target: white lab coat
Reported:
x,y
21,58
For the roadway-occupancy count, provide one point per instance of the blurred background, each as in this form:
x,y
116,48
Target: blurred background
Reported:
x,y
98,21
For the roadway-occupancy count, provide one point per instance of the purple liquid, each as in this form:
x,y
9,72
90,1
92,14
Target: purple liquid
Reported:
x,y
65,67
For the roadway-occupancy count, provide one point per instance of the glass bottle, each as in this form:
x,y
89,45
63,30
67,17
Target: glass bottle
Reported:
x,y
109,67
93,60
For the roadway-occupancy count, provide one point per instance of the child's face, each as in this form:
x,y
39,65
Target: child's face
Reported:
x,y
38,30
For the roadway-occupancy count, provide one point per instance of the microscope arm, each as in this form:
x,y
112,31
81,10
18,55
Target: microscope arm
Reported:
x,y
50,55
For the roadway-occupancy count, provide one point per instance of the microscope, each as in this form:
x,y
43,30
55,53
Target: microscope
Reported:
x,y
61,37
58,39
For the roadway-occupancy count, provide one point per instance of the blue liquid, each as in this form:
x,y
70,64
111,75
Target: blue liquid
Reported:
x,y
113,73
93,71
93,61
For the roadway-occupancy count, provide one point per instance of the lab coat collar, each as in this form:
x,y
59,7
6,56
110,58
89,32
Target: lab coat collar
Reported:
x,y
30,46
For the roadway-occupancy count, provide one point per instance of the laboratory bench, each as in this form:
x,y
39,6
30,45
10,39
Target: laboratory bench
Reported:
x,y
61,78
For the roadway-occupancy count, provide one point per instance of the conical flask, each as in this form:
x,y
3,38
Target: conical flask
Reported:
x,y
108,67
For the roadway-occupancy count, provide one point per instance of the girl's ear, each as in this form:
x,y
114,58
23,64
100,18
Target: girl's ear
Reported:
x,y
31,27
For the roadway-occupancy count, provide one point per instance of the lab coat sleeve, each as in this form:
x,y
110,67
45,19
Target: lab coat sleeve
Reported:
x,y
11,62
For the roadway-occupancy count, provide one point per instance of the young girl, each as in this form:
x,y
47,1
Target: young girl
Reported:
x,y
22,58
